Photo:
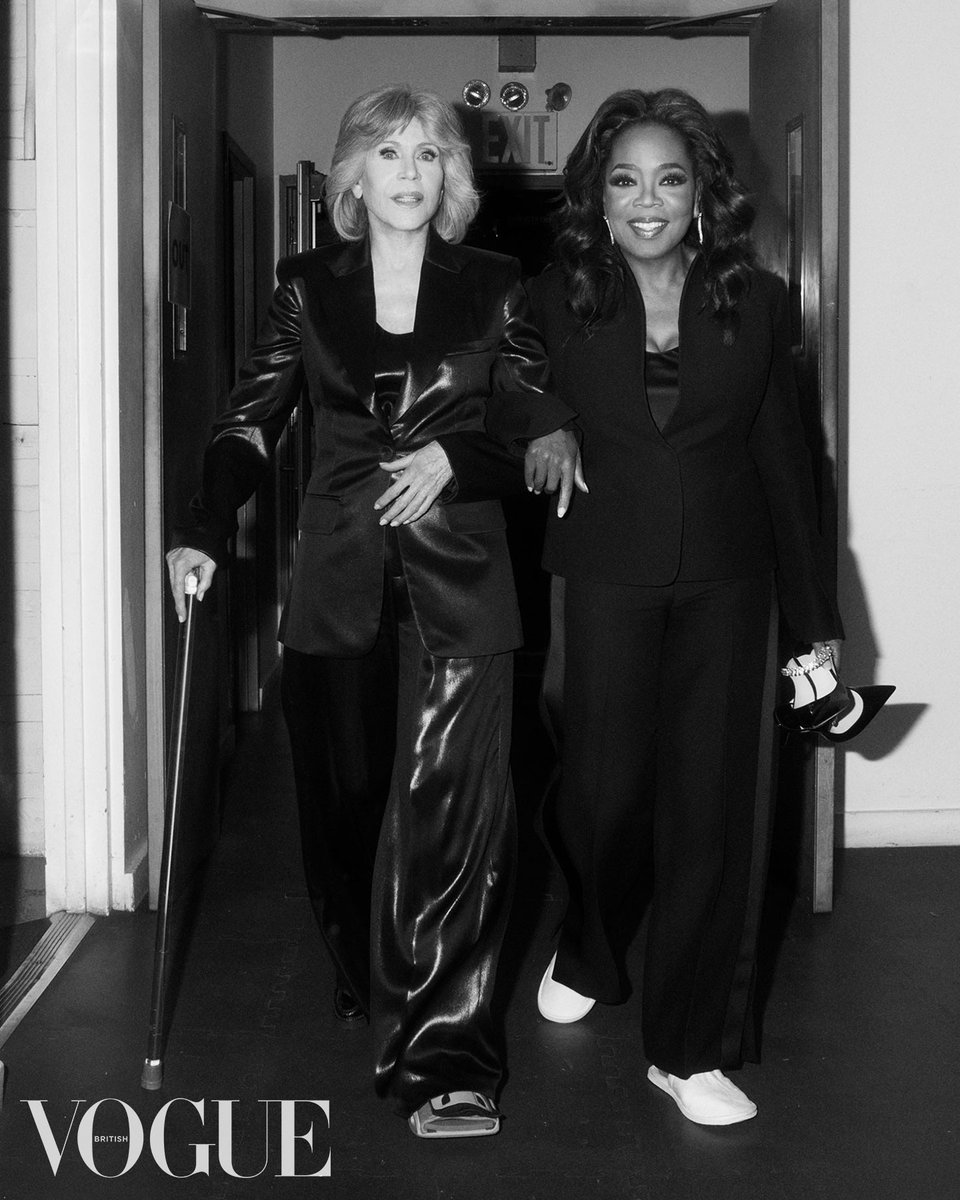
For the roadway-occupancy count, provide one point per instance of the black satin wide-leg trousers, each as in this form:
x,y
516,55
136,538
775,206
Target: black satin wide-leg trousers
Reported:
x,y
408,832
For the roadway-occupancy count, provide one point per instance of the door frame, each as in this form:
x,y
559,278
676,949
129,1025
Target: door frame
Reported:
x,y
825,762
812,77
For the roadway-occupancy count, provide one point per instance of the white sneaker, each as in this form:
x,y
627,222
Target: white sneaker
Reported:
x,y
559,1003
708,1098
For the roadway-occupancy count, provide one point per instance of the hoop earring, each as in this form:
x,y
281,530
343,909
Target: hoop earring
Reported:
x,y
613,240
700,226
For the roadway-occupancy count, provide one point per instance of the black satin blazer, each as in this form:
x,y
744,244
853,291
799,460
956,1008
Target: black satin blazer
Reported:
x,y
726,489
476,360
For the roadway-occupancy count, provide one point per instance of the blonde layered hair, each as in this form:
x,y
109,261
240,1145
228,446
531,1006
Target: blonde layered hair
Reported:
x,y
375,116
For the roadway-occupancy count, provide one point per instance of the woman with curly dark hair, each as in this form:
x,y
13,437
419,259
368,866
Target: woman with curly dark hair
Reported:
x,y
673,347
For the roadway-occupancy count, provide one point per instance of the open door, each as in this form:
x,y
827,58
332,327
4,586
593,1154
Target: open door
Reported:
x,y
794,122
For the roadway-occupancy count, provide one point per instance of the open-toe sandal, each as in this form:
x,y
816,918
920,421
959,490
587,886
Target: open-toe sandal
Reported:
x,y
455,1115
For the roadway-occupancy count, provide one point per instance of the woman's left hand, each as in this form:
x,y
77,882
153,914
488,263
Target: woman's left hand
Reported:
x,y
418,479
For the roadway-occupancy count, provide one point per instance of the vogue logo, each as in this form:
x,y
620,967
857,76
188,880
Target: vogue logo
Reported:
x,y
98,1127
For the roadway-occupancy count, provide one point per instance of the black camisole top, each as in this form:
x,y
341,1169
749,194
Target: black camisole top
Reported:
x,y
662,378
391,359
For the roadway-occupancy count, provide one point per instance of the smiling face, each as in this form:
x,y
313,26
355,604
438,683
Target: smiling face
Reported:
x,y
402,181
649,191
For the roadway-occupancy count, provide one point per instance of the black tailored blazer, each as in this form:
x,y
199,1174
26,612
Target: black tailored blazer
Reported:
x,y
726,489
476,359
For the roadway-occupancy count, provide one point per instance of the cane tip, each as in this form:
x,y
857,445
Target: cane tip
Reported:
x,y
152,1075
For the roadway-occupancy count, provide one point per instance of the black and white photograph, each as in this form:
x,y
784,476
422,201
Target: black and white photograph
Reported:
x,y
479,542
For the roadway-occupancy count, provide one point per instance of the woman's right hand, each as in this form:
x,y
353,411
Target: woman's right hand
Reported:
x,y
185,561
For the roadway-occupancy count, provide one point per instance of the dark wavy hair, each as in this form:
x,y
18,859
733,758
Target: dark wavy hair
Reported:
x,y
593,269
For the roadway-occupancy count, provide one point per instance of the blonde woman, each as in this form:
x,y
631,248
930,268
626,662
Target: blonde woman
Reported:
x,y
401,619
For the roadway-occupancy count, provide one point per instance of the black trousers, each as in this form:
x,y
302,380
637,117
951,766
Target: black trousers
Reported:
x,y
664,714
408,832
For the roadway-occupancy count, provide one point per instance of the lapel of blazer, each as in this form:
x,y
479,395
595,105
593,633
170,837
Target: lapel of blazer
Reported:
x,y
350,307
692,299
629,327
628,336
439,321
632,310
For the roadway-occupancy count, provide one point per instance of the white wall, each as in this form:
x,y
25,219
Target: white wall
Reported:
x,y
21,730
314,80
903,786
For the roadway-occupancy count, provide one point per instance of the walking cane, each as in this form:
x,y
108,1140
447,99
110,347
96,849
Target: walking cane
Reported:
x,y
152,1075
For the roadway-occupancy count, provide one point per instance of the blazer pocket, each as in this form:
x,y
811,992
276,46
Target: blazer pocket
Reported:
x,y
319,514
481,516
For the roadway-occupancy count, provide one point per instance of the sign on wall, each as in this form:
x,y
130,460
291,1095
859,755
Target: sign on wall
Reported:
x,y
178,255
517,141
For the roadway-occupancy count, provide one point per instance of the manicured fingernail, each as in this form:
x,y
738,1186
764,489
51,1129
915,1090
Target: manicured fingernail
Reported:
x,y
560,511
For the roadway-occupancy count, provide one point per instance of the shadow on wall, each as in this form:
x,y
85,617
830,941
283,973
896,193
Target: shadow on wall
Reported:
x,y
895,724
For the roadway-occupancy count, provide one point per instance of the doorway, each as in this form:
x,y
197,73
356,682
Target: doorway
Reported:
x,y
515,218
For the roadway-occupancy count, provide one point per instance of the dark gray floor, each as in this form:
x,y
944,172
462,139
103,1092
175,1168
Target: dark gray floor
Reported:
x,y
857,1092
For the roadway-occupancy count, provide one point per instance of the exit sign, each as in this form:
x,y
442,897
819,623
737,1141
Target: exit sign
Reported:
x,y
518,141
